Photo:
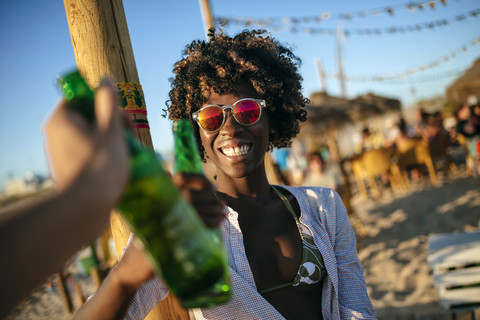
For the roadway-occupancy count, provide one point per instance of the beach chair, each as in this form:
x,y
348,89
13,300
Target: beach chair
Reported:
x,y
454,259
414,152
372,164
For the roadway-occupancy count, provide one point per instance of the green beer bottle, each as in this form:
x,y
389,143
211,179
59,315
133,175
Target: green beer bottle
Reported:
x,y
181,248
187,159
185,151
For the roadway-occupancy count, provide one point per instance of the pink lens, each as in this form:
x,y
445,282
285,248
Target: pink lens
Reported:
x,y
247,112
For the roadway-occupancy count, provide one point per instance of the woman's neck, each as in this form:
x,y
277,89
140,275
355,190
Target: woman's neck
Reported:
x,y
256,186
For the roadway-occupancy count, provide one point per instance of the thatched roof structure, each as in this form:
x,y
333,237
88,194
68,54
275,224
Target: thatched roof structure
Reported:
x,y
465,86
325,111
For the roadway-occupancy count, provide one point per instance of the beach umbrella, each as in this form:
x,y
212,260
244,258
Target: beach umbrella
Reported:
x,y
465,86
102,47
325,112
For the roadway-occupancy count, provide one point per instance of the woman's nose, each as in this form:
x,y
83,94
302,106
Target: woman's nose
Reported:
x,y
230,125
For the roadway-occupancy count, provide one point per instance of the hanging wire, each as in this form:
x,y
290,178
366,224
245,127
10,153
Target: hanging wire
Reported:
x,y
430,25
390,10
410,72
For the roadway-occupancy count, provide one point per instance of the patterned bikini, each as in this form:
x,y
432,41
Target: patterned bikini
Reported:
x,y
312,269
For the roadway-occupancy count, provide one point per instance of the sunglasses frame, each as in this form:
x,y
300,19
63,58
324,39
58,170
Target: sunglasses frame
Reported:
x,y
261,103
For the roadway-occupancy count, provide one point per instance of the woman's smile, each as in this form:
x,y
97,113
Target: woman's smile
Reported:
x,y
235,148
236,151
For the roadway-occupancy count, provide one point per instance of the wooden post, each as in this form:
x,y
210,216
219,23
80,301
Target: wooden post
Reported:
x,y
102,47
62,287
321,75
206,16
341,76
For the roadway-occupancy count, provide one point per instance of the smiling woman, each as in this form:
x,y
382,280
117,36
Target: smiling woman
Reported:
x,y
291,250
284,244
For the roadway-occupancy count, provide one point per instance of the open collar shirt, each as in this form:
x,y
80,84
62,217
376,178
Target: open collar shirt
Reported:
x,y
344,294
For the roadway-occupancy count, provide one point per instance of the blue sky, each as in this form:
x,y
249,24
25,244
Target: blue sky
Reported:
x,y
36,46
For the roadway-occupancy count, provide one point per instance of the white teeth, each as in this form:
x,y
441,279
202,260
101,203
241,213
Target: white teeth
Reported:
x,y
236,151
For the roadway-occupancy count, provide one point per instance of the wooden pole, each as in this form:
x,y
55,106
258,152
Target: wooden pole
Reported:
x,y
102,47
341,76
206,16
321,75
62,287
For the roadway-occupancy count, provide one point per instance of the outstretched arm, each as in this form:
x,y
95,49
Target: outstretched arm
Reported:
x,y
90,167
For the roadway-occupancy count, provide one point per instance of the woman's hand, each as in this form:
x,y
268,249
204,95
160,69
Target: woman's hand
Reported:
x,y
114,296
134,268
200,192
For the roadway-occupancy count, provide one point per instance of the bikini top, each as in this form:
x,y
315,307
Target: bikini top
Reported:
x,y
312,269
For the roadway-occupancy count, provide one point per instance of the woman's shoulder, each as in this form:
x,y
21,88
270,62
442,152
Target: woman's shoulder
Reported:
x,y
320,196
324,191
319,204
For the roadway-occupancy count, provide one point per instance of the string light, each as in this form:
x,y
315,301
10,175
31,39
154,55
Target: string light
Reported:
x,y
411,72
292,25
434,77
390,10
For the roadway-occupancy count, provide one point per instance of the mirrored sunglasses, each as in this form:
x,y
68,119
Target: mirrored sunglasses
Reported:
x,y
245,111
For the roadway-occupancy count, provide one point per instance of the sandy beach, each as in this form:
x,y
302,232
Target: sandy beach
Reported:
x,y
46,301
393,249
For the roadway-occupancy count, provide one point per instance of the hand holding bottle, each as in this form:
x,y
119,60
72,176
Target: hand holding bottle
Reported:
x,y
89,163
199,191
192,259
94,151
135,268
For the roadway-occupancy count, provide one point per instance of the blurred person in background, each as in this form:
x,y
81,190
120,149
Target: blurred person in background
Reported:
x,y
398,132
468,135
318,173
420,125
371,141
438,139
465,121
475,110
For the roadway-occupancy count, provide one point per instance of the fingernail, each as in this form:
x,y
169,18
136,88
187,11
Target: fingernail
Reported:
x,y
104,105
106,82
